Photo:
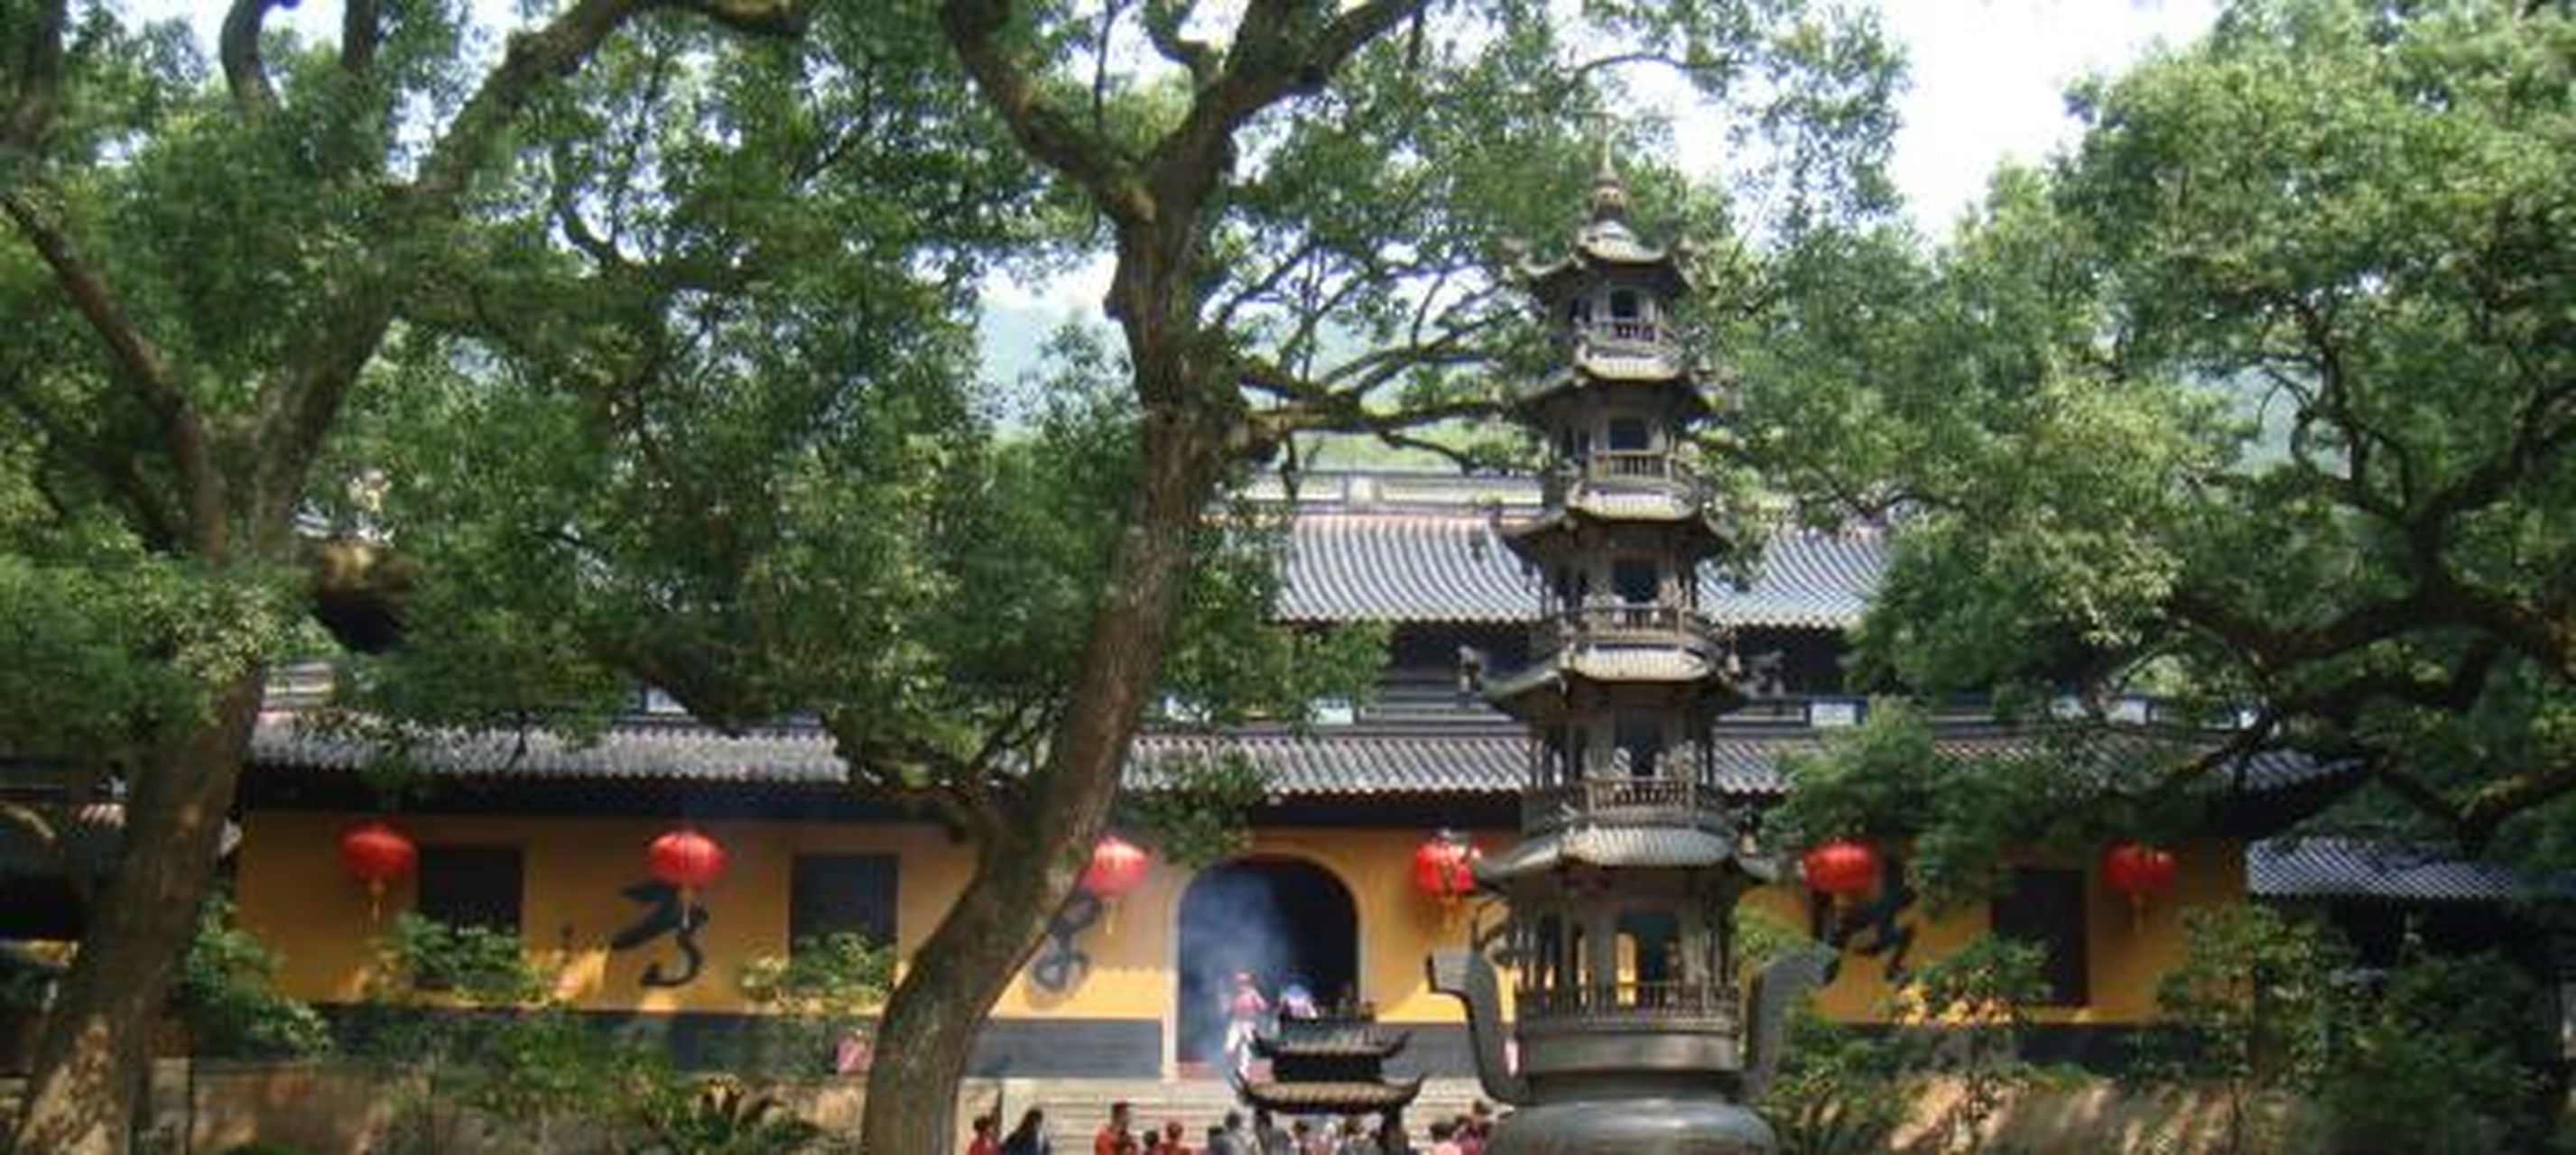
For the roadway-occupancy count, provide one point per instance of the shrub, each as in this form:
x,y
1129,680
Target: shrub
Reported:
x,y
227,994
813,997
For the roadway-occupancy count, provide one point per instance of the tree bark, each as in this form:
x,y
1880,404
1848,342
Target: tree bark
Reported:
x,y
1028,867
98,1035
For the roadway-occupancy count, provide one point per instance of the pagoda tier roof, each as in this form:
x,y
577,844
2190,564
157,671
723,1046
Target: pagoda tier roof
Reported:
x,y
1685,521
1603,371
1337,1098
1617,846
1528,691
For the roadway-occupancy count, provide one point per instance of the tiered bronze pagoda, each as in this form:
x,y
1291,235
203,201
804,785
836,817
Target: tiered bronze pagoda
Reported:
x,y
1330,1065
1629,1013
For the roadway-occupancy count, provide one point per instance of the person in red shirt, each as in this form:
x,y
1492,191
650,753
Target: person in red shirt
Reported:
x,y
988,1137
1116,1137
1170,1143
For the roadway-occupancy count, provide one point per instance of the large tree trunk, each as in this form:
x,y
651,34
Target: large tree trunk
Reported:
x,y
1025,871
91,1059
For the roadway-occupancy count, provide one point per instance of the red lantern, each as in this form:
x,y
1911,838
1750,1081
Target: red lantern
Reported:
x,y
1117,866
377,855
1842,868
2138,871
1444,867
684,859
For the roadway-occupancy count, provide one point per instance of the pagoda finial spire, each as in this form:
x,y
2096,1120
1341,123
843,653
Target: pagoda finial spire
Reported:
x,y
1609,192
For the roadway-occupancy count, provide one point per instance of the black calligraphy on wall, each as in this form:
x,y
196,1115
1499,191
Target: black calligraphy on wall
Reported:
x,y
1874,928
666,913
1060,965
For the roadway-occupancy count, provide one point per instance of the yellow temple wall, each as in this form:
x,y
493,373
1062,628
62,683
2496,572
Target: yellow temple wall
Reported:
x,y
294,895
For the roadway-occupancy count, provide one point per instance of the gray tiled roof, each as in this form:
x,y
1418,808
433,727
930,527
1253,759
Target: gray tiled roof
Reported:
x,y
2386,871
1480,758
655,751
1449,565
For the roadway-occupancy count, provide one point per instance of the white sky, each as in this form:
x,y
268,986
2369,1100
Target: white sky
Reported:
x,y
1987,85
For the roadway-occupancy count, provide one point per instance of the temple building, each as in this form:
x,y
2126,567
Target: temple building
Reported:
x,y
544,837
1664,694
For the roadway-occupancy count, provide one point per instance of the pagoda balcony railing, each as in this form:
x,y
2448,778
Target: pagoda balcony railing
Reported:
x,y
1705,1006
1624,470
1627,624
1626,338
1642,801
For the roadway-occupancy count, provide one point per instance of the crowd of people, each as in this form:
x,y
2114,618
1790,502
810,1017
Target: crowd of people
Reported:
x,y
1259,1135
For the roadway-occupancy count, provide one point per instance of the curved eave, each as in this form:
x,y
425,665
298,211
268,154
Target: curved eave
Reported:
x,y
1530,692
1675,385
1329,1098
1549,536
1595,254
1613,846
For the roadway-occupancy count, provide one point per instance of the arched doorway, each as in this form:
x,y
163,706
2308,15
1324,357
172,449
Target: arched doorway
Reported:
x,y
1281,919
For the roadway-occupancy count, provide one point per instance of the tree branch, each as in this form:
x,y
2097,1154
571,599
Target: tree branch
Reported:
x,y
553,52
975,28
139,363
151,513
296,406
1265,66
39,69
237,45
361,30
1163,22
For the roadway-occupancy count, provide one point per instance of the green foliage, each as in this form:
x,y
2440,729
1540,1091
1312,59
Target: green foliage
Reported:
x,y
1963,1019
228,996
1953,814
814,997
472,965
2441,1054
1197,811
2250,1006
2256,397
1840,1090
1974,1006
2446,1059
469,1033
722,1117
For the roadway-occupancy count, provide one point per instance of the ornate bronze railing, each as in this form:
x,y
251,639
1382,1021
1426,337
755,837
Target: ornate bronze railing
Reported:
x,y
1624,470
1627,623
1669,801
1627,336
1704,1005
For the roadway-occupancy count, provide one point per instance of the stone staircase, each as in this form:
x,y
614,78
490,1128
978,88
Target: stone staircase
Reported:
x,y
1075,1108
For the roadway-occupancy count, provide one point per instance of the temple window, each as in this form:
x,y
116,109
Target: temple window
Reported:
x,y
1624,305
478,886
2045,908
829,894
